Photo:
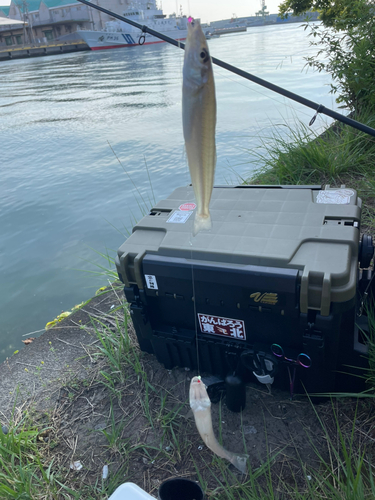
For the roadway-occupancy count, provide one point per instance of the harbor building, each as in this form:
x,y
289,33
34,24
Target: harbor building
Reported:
x,y
49,21
54,25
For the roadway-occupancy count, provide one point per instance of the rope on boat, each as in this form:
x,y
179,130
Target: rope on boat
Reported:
x,y
318,108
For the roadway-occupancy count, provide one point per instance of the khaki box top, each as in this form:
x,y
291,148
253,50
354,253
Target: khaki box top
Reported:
x,y
292,227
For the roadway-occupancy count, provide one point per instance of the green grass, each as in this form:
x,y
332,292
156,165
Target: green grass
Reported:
x,y
341,155
24,472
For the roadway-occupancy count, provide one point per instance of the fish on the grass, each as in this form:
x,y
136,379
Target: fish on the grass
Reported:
x,y
200,403
199,121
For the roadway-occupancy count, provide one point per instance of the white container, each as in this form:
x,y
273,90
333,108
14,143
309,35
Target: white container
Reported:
x,y
130,491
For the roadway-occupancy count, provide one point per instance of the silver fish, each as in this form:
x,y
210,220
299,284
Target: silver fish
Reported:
x,y
199,121
201,405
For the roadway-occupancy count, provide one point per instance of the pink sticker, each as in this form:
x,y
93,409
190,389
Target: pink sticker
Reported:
x,y
227,327
186,207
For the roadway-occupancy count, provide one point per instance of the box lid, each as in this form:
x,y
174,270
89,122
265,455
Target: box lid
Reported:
x,y
305,228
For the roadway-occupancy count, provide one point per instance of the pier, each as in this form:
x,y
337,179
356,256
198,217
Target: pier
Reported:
x,y
42,50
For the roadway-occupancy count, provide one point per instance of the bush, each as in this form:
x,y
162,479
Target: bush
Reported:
x,y
347,52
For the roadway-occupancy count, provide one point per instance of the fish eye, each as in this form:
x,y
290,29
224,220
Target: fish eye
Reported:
x,y
204,55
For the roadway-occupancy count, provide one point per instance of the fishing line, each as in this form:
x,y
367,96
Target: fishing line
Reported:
x,y
194,304
319,108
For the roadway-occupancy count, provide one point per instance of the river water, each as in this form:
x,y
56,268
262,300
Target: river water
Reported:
x,y
63,193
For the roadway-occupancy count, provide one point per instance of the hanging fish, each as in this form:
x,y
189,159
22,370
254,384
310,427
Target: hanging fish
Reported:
x,y
199,121
201,405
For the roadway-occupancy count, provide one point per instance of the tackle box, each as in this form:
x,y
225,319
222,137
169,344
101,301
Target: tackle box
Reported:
x,y
273,286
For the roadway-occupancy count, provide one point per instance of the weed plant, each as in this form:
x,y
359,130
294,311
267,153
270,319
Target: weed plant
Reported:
x,y
24,474
341,155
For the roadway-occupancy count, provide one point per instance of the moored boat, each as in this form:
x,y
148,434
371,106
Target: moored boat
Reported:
x,y
118,34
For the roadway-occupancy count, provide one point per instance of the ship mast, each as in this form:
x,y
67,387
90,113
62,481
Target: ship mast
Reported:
x,y
262,12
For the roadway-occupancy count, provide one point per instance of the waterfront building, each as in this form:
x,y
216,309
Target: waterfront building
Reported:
x,y
4,11
46,21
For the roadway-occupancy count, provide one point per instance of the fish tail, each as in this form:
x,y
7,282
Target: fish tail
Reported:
x,y
201,223
239,461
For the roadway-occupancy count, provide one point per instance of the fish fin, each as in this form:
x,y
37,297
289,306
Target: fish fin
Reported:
x,y
240,462
201,223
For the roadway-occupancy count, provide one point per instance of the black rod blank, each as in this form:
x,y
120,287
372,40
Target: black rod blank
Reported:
x,y
319,108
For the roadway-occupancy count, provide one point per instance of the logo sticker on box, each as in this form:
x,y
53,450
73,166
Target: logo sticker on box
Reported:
x,y
226,327
186,207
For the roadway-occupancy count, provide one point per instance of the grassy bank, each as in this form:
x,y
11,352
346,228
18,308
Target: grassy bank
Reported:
x,y
342,155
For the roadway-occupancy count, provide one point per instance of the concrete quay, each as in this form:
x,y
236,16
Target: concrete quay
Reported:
x,y
42,50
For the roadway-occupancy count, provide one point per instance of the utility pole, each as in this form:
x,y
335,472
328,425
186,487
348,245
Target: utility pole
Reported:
x,y
23,7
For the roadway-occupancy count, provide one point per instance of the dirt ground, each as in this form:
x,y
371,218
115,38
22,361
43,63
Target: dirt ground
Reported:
x,y
143,428
271,428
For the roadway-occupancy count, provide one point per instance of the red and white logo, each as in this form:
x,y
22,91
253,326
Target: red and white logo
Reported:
x,y
227,327
186,207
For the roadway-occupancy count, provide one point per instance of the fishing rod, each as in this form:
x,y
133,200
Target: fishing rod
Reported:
x,y
318,108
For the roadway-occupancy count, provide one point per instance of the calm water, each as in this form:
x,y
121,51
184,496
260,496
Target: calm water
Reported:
x,y
63,193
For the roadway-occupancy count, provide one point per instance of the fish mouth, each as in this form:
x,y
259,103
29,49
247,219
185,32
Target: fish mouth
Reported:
x,y
196,380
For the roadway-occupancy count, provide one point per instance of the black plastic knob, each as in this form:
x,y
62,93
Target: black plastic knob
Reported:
x,y
366,251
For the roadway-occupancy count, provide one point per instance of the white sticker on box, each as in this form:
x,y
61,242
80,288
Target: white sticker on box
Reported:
x,y
179,217
335,196
226,327
152,284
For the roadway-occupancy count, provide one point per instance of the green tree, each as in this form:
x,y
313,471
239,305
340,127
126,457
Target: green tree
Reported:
x,y
335,13
346,47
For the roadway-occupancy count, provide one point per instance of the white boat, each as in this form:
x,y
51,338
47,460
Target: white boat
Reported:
x,y
118,34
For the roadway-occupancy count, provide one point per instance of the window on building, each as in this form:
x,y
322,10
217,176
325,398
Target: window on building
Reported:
x,y
8,40
48,34
19,39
